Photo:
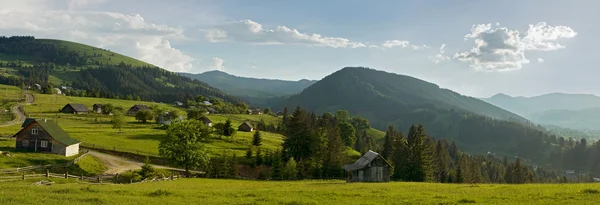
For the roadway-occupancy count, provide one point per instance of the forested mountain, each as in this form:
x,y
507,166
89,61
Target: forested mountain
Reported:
x,y
93,72
575,111
260,92
390,99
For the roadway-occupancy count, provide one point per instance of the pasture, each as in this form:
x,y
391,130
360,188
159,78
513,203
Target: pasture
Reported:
x,y
217,191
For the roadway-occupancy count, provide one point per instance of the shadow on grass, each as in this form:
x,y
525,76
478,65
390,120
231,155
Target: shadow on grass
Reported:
x,y
157,137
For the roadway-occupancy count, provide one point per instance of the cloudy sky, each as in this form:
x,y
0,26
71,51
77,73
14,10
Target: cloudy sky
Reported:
x,y
475,47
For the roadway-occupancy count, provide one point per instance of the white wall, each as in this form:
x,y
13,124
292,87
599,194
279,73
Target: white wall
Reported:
x,y
72,150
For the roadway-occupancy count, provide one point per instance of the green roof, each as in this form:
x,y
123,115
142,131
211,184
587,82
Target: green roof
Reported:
x,y
26,122
56,132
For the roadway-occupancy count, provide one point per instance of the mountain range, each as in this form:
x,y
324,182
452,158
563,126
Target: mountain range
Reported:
x,y
575,111
258,92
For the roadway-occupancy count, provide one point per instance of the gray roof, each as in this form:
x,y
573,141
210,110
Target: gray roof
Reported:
x,y
78,107
247,124
363,161
205,120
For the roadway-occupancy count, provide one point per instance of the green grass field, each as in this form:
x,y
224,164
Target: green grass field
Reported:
x,y
23,159
9,97
214,191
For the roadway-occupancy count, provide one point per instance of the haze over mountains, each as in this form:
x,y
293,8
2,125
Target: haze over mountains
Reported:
x,y
576,111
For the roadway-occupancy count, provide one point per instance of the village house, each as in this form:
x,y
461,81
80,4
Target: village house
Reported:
x,y
254,112
97,108
178,104
246,127
57,91
37,86
42,135
206,121
210,110
207,103
75,109
136,108
371,167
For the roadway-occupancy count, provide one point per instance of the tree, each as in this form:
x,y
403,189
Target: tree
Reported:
x,y
267,111
418,160
147,168
118,120
108,108
342,116
144,115
249,153
301,141
388,143
441,161
277,166
233,166
195,114
184,146
257,139
228,129
334,153
347,133
290,171
173,114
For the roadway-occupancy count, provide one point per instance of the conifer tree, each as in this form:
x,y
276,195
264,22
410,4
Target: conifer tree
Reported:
x,y
388,142
277,167
290,170
257,139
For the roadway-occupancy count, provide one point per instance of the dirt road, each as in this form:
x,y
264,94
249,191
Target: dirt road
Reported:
x,y
117,164
19,111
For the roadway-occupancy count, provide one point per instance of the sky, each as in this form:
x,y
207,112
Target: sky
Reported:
x,y
474,47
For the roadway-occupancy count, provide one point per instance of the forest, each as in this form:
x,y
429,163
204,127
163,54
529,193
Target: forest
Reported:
x,y
38,61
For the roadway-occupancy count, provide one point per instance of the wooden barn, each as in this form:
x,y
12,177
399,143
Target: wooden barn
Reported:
x,y
371,167
41,135
136,108
246,127
75,109
97,108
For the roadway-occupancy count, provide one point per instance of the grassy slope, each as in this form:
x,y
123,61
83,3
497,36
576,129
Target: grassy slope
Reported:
x,y
212,191
9,95
22,159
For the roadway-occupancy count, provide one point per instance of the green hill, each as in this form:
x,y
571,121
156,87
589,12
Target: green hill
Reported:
x,y
259,92
390,99
93,72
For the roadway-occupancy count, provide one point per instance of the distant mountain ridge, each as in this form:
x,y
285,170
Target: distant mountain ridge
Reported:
x,y
390,99
575,111
260,92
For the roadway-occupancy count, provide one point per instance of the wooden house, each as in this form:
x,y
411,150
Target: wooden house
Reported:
x,y
41,135
136,108
97,108
211,110
206,121
75,109
246,127
371,167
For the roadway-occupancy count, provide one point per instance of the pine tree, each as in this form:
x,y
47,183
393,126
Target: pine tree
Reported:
x,y
400,158
459,175
233,170
259,158
442,162
418,160
334,153
249,153
388,142
290,170
257,139
277,166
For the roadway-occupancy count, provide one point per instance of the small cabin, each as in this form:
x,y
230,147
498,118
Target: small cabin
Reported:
x,y
42,135
97,108
371,167
206,121
211,110
246,127
136,108
75,109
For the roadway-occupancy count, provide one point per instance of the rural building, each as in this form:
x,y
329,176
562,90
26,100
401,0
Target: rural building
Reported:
x,y
246,127
279,113
177,103
41,135
254,112
211,110
371,167
97,108
206,121
136,108
75,109
37,86
207,103
57,91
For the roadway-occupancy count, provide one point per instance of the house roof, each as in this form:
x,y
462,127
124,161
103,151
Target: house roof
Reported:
x,y
205,119
27,121
363,161
247,124
78,107
210,109
55,131
141,107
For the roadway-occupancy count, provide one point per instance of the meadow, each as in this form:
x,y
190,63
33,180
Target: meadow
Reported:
x,y
217,191
9,97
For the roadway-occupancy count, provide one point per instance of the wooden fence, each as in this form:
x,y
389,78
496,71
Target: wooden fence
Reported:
x,y
119,149
99,179
38,167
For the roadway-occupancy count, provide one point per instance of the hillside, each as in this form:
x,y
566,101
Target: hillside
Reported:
x,y
575,111
93,72
259,92
390,99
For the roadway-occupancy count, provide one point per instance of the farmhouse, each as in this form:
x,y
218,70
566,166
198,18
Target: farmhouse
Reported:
x,y
207,103
254,112
211,110
177,103
75,109
41,135
97,108
57,91
246,127
136,108
206,121
371,167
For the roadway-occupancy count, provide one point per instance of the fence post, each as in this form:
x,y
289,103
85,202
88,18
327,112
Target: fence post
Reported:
x,y
117,178
131,180
23,176
171,176
98,179
81,176
47,173
66,175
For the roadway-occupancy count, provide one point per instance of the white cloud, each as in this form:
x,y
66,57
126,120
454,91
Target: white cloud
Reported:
x,y
218,64
502,49
248,31
442,48
402,44
540,60
129,34
75,4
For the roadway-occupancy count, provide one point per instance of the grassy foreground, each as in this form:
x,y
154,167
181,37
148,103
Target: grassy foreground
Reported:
x,y
213,191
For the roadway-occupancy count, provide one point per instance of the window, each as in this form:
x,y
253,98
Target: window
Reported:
x,y
43,144
34,131
25,143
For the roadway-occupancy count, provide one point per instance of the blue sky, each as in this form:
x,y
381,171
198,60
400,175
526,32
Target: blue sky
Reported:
x,y
514,47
